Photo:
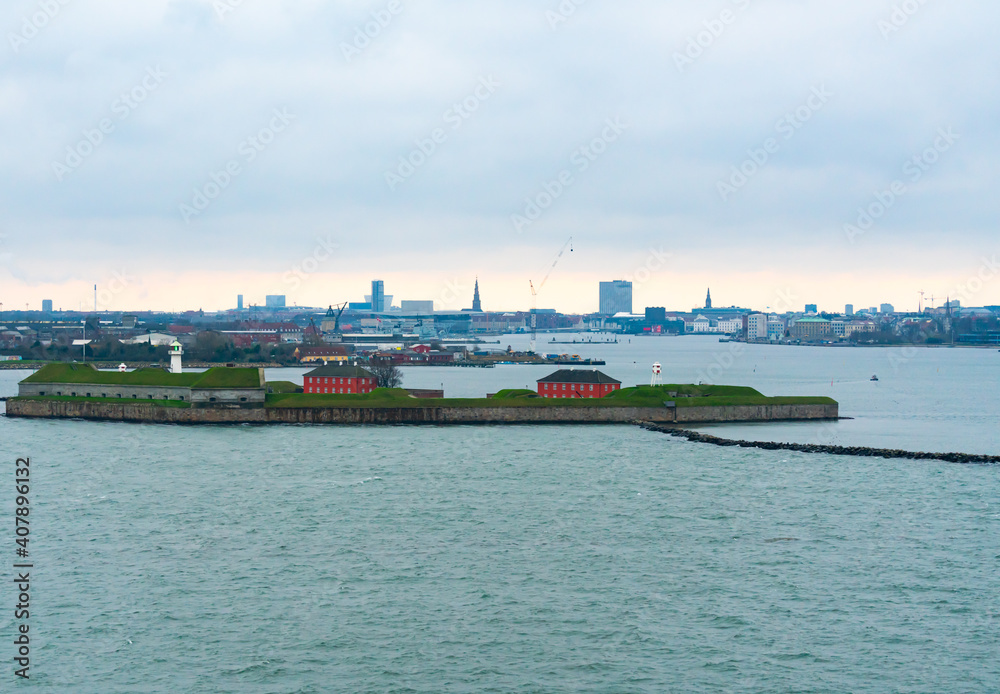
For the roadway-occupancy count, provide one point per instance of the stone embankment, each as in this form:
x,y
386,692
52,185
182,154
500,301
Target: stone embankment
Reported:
x,y
860,451
150,412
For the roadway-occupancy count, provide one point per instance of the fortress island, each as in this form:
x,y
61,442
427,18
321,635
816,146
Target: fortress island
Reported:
x,y
345,395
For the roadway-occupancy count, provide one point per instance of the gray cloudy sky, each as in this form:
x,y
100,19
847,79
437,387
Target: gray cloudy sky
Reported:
x,y
320,110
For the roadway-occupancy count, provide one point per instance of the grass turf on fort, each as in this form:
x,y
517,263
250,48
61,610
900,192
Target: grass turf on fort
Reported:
x,y
86,374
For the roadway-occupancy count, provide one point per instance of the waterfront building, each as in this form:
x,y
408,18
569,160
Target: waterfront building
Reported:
x,y
501,322
656,315
340,379
248,338
859,326
286,330
721,312
775,328
570,383
811,328
417,307
615,297
756,327
838,327
314,355
386,304
154,339
378,296
730,326
701,325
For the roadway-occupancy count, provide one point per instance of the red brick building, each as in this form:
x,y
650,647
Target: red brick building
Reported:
x,y
573,383
339,379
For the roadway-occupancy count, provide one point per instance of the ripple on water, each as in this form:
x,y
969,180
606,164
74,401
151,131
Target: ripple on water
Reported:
x,y
239,559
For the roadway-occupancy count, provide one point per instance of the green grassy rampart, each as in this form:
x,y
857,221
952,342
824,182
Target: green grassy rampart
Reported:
x,y
228,378
87,374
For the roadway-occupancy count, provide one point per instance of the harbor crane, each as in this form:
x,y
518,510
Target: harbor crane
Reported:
x,y
534,290
330,313
314,337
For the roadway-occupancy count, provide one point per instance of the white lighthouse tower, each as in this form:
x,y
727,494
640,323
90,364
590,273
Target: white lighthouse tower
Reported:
x,y
657,379
176,352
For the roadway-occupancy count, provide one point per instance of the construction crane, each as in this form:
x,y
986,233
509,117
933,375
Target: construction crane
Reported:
x,y
314,337
534,290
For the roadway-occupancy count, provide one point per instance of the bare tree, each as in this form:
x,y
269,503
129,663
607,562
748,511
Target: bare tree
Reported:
x,y
386,374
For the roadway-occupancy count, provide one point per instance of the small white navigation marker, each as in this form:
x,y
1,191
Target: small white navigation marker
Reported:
x,y
657,379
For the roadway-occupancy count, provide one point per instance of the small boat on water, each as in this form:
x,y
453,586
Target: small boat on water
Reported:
x,y
873,378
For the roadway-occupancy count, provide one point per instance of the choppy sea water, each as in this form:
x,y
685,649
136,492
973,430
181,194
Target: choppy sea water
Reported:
x,y
525,559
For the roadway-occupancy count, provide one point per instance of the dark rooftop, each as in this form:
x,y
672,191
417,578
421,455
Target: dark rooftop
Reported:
x,y
339,371
578,376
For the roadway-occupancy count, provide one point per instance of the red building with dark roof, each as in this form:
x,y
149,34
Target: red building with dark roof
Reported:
x,y
577,383
339,379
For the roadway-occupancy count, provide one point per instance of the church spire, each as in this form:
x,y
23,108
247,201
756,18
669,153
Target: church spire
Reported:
x,y
476,303
708,299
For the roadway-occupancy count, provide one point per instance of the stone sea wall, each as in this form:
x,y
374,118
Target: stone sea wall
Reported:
x,y
756,413
140,412
129,412
469,415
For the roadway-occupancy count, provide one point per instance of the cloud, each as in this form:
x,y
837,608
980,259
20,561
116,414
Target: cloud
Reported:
x,y
358,112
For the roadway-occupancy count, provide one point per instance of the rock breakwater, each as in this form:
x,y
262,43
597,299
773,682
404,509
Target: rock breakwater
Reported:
x,y
859,451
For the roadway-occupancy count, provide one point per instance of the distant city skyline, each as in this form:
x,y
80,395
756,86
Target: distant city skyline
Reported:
x,y
457,294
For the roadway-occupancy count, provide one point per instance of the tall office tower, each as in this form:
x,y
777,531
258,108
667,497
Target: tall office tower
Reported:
x,y
616,297
378,296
